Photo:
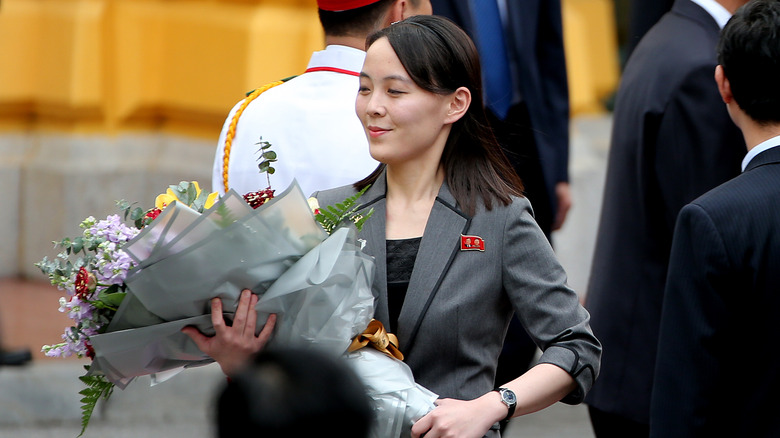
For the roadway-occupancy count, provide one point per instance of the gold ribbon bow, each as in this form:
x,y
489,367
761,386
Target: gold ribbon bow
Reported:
x,y
376,335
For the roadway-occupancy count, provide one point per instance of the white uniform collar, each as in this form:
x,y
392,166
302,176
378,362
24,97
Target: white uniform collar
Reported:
x,y
761,147
342,57
720,14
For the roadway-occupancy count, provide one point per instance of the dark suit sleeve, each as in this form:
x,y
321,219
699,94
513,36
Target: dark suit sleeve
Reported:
x,y
551,60
688,366
698,146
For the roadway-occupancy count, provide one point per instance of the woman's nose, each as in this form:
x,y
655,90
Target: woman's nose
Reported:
x,y
375,106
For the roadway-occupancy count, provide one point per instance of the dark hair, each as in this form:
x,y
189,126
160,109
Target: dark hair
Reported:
x,y
355,22
294,392
440,58
749,53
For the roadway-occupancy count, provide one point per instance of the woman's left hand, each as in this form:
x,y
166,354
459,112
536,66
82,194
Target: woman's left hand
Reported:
x,y
459,418
233,345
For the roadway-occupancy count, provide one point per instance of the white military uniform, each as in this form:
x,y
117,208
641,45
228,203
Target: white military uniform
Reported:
x,y
311,124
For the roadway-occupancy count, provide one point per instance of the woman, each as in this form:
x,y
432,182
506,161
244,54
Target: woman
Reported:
x,y
456,247
447,203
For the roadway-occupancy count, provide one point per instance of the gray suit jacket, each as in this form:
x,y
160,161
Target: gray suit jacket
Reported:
x,y
459,303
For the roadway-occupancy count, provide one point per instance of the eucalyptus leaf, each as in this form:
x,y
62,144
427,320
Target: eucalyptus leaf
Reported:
x,y
192,193
137,213
78,244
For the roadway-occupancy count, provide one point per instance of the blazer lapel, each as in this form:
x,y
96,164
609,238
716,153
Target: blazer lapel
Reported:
x,y
439,245
374,234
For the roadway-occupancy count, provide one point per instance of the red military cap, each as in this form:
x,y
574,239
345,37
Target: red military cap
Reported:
x,y
342,5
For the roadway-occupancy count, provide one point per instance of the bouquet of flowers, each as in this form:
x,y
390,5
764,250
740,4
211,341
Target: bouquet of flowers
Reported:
x,y
132,288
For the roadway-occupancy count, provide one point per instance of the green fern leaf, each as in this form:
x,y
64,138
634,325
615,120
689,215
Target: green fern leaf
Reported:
x,y
97,387
225,217
332,216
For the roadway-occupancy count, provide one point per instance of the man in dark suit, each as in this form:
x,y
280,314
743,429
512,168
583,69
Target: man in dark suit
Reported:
x,y
672,140
531,121
718,370
533,125
643,14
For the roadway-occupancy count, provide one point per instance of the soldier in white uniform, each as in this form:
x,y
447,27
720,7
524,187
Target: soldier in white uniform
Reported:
x,y
310,120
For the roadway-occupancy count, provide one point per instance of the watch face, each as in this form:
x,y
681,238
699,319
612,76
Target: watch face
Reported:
x,y
508,396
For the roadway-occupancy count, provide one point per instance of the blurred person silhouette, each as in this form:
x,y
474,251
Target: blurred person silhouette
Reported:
x,y
717,374
643,15
672,140
526,92
287,392
13,357
527,101
310,119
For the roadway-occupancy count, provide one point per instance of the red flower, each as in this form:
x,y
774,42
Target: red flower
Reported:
x,y
153,213
90,350
256,199
85,283
82,283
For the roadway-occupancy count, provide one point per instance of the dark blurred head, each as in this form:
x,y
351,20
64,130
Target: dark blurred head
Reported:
x,y
355,21
749,53
292,392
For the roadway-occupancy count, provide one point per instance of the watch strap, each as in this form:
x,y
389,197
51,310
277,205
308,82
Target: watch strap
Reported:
x,y
510,406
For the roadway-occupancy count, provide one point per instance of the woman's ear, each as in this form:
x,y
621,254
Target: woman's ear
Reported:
x,y
459,103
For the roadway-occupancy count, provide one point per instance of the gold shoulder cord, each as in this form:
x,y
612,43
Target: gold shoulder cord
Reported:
x,y
231,132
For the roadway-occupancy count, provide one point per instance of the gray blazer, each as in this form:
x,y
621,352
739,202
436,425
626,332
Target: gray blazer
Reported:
x,y
459,303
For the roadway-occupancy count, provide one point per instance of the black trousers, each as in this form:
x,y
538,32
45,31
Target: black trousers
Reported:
x,y
516,137
608,425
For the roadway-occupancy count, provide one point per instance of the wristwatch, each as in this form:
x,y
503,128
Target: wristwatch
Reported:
x,y
509,398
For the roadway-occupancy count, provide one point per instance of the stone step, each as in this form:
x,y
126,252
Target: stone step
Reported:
x,y
48,393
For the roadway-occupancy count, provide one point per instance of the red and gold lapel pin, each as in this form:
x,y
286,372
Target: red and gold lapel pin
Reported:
x,y
471,243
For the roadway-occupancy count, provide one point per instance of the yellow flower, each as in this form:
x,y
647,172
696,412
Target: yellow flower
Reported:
x,y
165,199
169,196
214,197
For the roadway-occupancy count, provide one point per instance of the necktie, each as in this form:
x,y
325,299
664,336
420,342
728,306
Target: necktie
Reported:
x,y
496,76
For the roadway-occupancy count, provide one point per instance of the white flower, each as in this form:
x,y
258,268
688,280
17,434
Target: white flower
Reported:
x,y
314,205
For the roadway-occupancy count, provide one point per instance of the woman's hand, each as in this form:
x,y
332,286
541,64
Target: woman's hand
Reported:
x,y
462,419
563,196
232,346
538,388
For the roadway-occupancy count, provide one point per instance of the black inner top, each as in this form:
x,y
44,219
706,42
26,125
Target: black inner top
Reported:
x,y
400,262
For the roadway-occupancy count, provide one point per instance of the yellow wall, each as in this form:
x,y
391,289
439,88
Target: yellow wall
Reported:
x,y
178,65
590,40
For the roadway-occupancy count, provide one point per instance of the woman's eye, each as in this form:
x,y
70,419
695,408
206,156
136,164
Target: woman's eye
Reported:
x,y
394,91
363,89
